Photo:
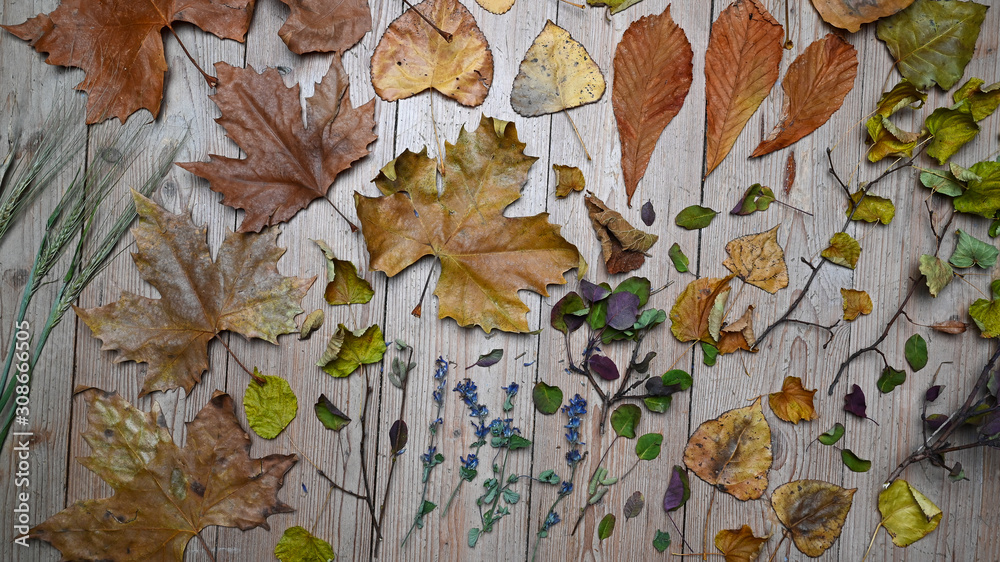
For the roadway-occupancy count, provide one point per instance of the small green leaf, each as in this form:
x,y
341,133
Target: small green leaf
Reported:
x,y
661,542
473,537
269,407
832,435
937,273
512,497
606,526
625,419
518,442
549,477
361,347
915,352
890,379
872,208
568,313
982,100
427,507
344,285
942,181
329,415
843,250
638,286
633,505
647,447
547,398
854,462
756,198
299,545
658,404
710,353
970,251
695,217
951,128
994,228
677,256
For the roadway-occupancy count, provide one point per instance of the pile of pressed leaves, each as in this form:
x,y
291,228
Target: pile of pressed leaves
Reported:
x,y
452,207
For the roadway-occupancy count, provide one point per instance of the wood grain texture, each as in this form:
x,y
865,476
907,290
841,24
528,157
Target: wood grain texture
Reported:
x,y
673,181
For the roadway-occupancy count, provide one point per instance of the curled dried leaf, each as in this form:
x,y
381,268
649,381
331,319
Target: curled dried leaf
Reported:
x,y
623,246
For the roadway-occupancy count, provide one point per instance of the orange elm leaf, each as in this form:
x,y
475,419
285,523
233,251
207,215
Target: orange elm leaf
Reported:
x,y
850,14
164,494
486,257
288,163
119,45
741,66
653,72
794,402
241,291
322,26
733,452
815,87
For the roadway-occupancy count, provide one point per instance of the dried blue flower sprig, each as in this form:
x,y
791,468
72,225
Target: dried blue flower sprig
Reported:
x,y
469,394
431,458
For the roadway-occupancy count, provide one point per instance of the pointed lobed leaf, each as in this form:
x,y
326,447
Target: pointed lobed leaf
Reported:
x,y
794,403
733,452
360,347
344,285
982,195
856,303
320,26
568,180
740,545
813,511
557,73
758,260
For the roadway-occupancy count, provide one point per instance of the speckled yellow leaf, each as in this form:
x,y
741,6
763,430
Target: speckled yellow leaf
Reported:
x,y
856,303
557,73
758,260
733,452
794,403
269,407
813,511
843,250
907,514
496,6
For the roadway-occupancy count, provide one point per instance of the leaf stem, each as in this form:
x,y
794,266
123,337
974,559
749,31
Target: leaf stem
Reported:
x,y
211,80
257,379
417,310
583,144
395,455
708,516
354,227
204,545
444,34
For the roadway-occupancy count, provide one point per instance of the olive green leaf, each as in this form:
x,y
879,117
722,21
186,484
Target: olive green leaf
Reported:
x,y
887,139
932,41
312,322
695,217
951,182
547,398
648,446
614,6
854,462
357,348
756,198
568,313
843,250
661,541
890,379
986,313
951,128
970,251
907,514
606,526
982,195
299,545
329,415
982,100
832,435
915,352
937,273
343,286
625,419
710,353
872,208
269,407
677,256
568,180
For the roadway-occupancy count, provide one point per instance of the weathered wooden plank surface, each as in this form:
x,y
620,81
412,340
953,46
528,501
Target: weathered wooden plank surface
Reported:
x,y
672,182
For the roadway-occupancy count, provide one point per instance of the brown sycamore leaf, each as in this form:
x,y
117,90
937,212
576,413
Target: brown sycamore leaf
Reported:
x,y
557,73
813,511
288,163
856,303
120,48
741,66
738,335
850,14
815,87
623,246
486,257
241,292
758,260
691,315
568,180
322,26
653,72
164,494
733,452
793,403
412,57
740,545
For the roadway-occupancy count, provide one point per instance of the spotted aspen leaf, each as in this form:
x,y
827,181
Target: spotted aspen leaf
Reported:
x,y
496,6
568,180
739,545
937,273
241,291
288,163
320,26
733,452
843,250
907,514
741,66
850,14
653,73
557,73
856,303
164,494
299,545
269,407
623,246
412,57
813,511
758,260
691,313
120,47
794,402
343,284
983,100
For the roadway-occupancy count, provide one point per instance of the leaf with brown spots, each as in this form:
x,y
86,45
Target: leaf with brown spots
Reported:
x,y
691,314
758,260
813,511
164,494
794,402
856,303
740,545
325,26
733,452
624,246
557,73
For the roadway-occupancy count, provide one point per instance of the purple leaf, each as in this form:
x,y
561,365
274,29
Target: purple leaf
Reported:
x,y
934,421
647,213
604,367
678,491
592,293
855,403
992,425
933,393
488,359
398,434
623,309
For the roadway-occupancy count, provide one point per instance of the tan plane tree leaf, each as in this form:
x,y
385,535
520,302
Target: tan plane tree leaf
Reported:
x,y
119,45
758,260
486,257
813,511
733,452
815,87
324,26
794,402
164,494
856,303
288,164
557,73
496,6
412,57
623,246
241,291
850,14
740,545
653,72
691,314
741,66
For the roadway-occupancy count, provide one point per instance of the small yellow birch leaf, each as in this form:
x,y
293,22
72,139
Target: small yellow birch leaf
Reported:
x,y
856,303
557,73
906,513
758,260
496,6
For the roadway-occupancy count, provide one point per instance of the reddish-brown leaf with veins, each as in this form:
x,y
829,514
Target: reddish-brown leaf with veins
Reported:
x,y
653,72
288,164
741,66
164,494
850,14
324,26
118,44
815,87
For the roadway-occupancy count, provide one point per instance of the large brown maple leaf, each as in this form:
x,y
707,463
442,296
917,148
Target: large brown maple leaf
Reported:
x,y
164,495
486,258
288,164
241,291
118,44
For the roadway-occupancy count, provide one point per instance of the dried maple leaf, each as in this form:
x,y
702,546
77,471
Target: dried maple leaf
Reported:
x,y
813,511
412,57
322,26
758,260
740,545
118,45
164,495
815,87
653,72
691,314
288,163
624,247
733,452
856,303
486,258
741,66
557,73
794,403
241,292
850,14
